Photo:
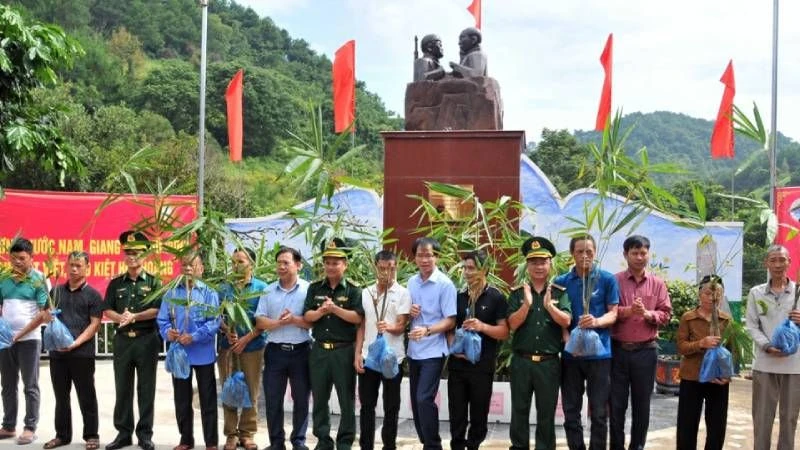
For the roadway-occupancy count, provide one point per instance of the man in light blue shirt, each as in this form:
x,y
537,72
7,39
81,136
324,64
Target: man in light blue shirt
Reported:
x,y
194,326
280,311
433,311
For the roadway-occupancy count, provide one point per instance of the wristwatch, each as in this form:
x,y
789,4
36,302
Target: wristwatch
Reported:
x,y
427,331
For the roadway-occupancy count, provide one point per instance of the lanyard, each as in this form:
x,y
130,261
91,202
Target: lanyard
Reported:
x,y
473,300
382,314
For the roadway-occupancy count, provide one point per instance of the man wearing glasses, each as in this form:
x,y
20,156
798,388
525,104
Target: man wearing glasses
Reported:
x,y
136,343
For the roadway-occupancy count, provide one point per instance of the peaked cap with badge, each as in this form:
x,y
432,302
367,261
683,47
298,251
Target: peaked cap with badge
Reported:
x,y
335,248
538,247
134,240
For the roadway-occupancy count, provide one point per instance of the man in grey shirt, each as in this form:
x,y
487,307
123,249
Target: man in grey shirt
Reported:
x,y
776,375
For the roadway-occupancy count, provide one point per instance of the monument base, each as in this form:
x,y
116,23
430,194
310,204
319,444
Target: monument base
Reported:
x,y
489,161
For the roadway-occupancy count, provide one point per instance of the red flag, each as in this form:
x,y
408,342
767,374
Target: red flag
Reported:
x,y
475,9
344,86
604,110
722,136
233,98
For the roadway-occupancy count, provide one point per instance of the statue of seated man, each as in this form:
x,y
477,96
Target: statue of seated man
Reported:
x,y
427,67
473,60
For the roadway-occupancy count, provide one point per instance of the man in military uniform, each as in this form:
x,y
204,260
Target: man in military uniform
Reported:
x,y
537,313
136,343
333,306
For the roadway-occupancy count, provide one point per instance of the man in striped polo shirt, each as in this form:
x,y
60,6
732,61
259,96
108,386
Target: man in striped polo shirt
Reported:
x,y
23,298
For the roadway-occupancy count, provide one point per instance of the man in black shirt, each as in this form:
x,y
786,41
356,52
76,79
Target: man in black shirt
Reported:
x,y
480,308
81,308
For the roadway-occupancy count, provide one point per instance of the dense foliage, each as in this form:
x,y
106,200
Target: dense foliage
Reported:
x,y
138,86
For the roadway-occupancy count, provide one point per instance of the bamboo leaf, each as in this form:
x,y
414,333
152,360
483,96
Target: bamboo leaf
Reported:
x,y
699,201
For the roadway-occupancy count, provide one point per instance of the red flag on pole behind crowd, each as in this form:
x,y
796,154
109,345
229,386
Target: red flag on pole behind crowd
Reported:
x,y
475,9
344,87
233,98
604,110
722,137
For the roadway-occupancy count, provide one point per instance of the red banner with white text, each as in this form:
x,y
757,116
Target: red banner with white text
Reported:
x,y
787,208
58,223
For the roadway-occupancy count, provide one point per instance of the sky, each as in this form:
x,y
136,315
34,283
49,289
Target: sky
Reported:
x,y
668,55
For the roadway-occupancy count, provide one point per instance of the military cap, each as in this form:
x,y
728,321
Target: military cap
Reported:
x,y
134,240
335,248
538,247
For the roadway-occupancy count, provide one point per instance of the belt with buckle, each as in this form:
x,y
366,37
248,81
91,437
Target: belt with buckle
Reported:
x,y
537,357
633,346
288,347
334,345
137,333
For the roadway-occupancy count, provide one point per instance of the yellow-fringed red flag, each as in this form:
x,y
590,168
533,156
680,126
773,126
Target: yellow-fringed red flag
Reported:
x,y
233,99
722,140
344,87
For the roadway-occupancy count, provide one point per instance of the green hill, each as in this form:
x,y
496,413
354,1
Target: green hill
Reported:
x,y
684,140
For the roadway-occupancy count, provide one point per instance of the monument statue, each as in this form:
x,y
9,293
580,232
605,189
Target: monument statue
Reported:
x,y
465,99
473,60
427,67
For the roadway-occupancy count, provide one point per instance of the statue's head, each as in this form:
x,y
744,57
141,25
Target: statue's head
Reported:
x,y
431,44
469,38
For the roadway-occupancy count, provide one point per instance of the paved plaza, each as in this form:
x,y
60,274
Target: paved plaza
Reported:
x,y
661,436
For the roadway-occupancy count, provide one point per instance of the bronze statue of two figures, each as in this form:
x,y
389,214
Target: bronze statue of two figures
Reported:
x,y
464,99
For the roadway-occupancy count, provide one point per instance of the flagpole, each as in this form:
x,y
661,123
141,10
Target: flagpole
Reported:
x,y
773,139
201,157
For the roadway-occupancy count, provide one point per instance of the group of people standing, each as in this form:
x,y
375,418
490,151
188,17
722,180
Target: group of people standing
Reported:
x,y
314,337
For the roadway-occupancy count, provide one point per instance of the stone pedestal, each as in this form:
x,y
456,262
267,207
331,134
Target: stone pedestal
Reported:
x,y
487,160
454,104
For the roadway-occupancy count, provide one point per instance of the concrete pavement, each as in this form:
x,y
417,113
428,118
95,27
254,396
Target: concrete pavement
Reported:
x,y
661,436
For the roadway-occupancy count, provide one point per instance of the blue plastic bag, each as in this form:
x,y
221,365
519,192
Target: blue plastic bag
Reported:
x,y
467,343
584,342
56,335
717,363
235,392
786,337
389,366
177,361
381,358
6,335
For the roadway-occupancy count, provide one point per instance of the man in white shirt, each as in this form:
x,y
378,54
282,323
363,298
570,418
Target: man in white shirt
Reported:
x,y
386,308
776,375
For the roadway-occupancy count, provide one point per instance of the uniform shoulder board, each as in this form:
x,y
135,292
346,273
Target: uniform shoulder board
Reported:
x,y
557,287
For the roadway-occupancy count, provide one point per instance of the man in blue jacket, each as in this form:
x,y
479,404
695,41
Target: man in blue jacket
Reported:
x,y
188,316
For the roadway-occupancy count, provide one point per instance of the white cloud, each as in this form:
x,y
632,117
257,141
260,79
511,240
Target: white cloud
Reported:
x,y
667,55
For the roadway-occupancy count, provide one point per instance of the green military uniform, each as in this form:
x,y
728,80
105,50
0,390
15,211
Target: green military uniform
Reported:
x,y
535,364
331,362
136,348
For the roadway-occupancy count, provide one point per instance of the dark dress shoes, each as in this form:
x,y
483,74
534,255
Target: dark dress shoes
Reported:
x,y
119,443
146,445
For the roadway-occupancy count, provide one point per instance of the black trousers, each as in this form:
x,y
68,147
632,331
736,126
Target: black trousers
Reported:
x,y
691,397
592,376
369,383
184,414
66,372
468,392
632,373
282,367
